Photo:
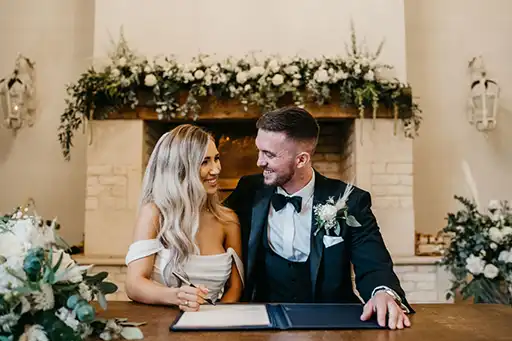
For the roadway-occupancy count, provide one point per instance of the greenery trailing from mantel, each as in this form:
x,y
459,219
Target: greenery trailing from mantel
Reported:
x,y
128,81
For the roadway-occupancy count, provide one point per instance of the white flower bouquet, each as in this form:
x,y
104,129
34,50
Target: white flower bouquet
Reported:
x,y
44,293
479,255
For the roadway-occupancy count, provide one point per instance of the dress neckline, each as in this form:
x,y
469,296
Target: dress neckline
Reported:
x,y
215,255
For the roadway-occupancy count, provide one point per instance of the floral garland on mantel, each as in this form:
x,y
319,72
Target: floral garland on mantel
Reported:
x,y
127,79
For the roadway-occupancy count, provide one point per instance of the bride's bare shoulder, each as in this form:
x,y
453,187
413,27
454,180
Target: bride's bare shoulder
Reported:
x,y
148,222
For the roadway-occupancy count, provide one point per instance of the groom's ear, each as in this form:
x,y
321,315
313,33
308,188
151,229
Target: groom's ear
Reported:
x,y
303,159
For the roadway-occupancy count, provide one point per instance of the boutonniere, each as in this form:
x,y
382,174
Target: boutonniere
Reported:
x,y
326,215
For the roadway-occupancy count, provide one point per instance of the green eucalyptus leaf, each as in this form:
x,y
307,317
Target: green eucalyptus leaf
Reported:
x,y
102,300
351,221
132,333
107,287
337,229
96,278
132,324
56,267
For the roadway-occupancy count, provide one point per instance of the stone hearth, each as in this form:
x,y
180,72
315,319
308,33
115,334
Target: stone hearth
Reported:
x,y
377,160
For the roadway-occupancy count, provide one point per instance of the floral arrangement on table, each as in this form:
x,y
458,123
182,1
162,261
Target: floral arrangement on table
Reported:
x,y
479,254
44,294
128,80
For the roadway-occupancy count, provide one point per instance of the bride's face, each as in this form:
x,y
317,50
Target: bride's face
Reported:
x,y
210,168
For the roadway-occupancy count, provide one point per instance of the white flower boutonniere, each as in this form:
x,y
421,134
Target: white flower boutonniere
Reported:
x,y
326,214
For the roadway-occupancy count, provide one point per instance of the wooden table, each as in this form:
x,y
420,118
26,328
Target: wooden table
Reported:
x,y
438,322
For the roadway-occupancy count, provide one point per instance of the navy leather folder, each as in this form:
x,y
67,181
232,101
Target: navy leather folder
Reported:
x,y
292,316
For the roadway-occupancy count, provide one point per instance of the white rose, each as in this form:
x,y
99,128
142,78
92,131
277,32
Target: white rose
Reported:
x,y
207,61
215,68
273,65
150,80
247,87
328,212
6,279
125,82
188,76
278,79
475,264
357,69
494,246
295,82
135,70
241,77
369,76
147,69
491,271
291,69
493,205
199,74
321,76
208,79
24,235
495,235
190,67
255,71
385,74
506,231
121,62
504,256
115,73
223,78
341,75
297,76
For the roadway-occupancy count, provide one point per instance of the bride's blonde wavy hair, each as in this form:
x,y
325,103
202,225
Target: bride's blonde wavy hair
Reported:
x,y
172,182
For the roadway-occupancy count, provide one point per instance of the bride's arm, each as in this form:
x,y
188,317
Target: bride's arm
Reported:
x,y
139,286
233,240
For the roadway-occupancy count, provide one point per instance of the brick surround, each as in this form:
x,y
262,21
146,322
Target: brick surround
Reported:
x,y
375,159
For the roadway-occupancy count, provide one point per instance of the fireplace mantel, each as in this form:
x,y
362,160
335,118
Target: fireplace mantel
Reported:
x,y
214,109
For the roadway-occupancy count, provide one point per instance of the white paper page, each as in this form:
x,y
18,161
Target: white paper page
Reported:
x,y
226,315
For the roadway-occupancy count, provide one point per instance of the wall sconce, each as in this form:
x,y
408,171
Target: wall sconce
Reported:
x,y
484,97
17,94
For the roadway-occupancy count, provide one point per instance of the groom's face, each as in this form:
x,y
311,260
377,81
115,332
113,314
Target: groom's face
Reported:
x,y
276,156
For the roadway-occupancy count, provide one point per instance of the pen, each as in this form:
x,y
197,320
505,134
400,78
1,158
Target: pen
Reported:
x,y
181,278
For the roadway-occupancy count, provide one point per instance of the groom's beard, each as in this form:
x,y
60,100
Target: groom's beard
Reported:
x,y
271,178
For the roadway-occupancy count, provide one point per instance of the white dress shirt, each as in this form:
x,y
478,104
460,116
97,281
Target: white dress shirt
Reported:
x,y
289,232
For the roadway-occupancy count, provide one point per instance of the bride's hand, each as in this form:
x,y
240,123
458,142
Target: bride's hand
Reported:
x,y
191,298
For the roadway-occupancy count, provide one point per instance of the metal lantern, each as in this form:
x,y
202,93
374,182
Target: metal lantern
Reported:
x,y
16,96
484,102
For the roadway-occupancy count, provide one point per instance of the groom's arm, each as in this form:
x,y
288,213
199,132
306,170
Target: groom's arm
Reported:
x,y
372,262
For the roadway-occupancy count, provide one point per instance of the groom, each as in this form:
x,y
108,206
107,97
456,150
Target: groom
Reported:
x,y
284,260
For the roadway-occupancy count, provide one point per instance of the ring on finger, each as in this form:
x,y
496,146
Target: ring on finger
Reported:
x,y
186,304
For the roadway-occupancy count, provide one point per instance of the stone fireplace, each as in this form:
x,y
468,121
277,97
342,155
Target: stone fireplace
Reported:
x,y
372,157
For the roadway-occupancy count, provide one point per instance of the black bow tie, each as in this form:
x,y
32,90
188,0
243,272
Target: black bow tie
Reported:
x,y
279,201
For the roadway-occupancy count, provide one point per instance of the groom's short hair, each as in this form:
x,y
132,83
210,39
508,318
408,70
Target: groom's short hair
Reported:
x,y
297,123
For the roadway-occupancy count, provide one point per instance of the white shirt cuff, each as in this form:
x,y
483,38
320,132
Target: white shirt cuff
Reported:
x,y
389,291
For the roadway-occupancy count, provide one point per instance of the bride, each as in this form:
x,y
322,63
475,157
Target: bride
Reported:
x,y
182,227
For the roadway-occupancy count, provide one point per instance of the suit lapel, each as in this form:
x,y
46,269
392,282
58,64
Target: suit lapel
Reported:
x,y
258,219
317,246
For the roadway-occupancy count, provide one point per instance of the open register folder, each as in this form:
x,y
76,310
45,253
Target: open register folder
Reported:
x,y
273,316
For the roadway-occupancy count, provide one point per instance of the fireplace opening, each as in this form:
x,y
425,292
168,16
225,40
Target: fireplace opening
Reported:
x,y
333,158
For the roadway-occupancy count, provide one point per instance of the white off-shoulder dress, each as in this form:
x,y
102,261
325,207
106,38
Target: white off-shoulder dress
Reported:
x,y
212,271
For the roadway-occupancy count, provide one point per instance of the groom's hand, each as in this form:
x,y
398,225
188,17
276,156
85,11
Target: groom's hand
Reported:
x,y
381,304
